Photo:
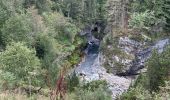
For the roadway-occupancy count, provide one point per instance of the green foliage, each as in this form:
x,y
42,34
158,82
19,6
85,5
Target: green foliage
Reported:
x,y
47,46
98,94
158,68
137,93
95,90
20,61
70,30
12,6
41,5
72,82
164,92
101,9
28,24
7,80
155,72
8,8
60,28
160,9
73,9
48,50
17,28
142,20
55,47
153,81
166,9
75,57
141,81
4,14
95,85
86,11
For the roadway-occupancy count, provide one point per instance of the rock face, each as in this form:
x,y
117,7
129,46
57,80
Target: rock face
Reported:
x,y
119,56
142,55
125,56
92,67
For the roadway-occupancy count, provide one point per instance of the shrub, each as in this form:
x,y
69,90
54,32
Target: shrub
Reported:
x,y
72,82
17,28
95,85
142,20
98,94
21,62
7,80
48,50
60,27
137,93
158,69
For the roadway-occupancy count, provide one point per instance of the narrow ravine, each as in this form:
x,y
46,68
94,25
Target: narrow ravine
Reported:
x,y
91,68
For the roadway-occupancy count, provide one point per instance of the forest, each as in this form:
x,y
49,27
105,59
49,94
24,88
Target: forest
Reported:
x,y
84,49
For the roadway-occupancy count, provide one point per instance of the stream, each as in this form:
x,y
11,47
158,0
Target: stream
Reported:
x,y
90,68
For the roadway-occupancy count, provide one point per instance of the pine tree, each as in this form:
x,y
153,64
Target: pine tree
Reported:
x,y
158,69
166,9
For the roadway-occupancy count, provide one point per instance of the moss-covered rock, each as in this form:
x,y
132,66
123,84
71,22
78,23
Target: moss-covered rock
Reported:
x,y
119,50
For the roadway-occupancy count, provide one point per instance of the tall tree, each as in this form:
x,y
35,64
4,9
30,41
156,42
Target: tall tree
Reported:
x,y
159,7
158,69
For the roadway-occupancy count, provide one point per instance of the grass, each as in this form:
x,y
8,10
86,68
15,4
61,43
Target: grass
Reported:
x,y
19,96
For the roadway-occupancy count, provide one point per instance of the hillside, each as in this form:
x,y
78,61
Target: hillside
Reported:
x,y
84,49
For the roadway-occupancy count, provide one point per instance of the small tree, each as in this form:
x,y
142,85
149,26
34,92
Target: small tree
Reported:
x,y
17,28
60,28
72,82
159,7
155,74
20,61
142,20
158,69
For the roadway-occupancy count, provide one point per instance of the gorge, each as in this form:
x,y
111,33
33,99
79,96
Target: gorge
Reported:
x,y
91,67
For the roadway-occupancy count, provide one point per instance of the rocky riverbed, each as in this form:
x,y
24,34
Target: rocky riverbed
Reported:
x,y
91,68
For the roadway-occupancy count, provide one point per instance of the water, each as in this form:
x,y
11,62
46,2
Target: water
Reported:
x,y
91,68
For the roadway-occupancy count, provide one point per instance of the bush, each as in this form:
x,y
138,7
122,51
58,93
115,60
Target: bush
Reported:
x,y
71,30
21,62
7,80
137,93
60,28
158,69
17,28
160,8
164,93
98,94
48,50
41,5
142,20
95,85
72,82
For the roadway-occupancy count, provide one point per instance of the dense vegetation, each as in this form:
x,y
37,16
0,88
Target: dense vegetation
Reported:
x,y
40,44
152,18
39,39
154,84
